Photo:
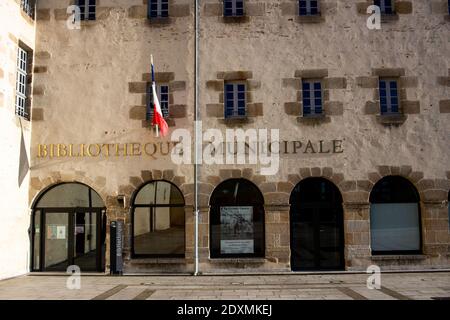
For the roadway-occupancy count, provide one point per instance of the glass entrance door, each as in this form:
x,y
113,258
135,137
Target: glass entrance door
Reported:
x,y
317,232
68,237
316,239
85,249
56,241
330,239
303,242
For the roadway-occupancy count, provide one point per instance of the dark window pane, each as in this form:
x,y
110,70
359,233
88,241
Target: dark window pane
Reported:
x,y
306,102
306,110
164,89
393,85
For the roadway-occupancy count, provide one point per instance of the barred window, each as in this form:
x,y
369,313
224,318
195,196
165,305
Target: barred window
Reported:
x,y
233,8
163,95
87,9
158,8
312,97
386,6
234,100
389,101
308,7
28,6
22,91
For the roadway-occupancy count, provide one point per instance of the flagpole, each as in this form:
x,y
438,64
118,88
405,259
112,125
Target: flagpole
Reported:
x,y
153,84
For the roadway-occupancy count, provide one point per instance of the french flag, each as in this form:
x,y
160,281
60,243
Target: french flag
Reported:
x,y
158,119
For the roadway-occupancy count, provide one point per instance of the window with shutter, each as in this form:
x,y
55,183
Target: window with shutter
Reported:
x,y
158,8
163,95
87,9
308,7
389,102
235,100
233,8
386,6
312,98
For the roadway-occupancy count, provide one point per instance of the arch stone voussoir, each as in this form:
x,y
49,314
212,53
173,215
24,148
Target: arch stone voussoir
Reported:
x,y
146,175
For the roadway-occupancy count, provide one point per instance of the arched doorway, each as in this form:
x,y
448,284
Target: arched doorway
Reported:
x,y
395,217
158,220
69,228
317,233
236,220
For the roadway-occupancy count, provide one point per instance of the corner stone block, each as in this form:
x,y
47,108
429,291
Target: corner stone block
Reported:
x,y
403,7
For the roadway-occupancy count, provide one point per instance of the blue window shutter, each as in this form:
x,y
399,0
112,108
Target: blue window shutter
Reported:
x,y
149,111
229,100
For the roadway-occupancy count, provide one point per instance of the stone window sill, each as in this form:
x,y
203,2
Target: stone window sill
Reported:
x,y
392,119
310,19
237,260
159,20
158,260
401,257
235,120
235,19
313,120
148,123
389,17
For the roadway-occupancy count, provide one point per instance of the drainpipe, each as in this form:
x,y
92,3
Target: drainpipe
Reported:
x,y
197,135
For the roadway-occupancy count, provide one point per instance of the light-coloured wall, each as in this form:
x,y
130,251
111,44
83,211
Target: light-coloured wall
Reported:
x,y
91,83
15,26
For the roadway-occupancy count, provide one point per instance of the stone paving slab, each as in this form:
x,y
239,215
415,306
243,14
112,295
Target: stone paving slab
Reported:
x,y
343,286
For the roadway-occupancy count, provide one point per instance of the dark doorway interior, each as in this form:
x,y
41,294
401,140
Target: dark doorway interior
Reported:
x,y
317,236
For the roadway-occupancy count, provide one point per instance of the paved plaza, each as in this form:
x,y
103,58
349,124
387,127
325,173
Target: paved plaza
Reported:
x,y
342,286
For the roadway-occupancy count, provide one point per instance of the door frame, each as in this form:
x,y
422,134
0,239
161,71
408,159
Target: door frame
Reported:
x,y
72,211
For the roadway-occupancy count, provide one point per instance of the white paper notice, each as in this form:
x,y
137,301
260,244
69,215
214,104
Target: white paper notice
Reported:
x,y
60,232
236,228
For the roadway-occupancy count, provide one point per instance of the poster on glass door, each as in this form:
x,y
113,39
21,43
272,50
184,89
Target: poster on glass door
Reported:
x,y
236,228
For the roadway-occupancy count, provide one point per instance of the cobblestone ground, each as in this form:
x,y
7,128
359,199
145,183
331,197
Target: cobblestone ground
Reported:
x,y
395,286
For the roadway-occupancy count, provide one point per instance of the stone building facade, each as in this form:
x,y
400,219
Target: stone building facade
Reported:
x,y
17,31
89,123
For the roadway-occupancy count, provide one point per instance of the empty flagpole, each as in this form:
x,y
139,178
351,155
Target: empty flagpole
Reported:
x,y
153,88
